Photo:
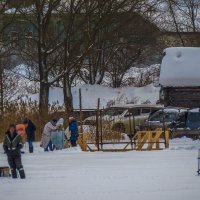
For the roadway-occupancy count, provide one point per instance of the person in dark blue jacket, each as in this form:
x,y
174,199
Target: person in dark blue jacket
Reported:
x,y
73,128
30,131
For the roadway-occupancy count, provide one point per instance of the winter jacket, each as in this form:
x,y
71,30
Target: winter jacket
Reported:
x,y
46,135
21,130
12,144
73,128
30,131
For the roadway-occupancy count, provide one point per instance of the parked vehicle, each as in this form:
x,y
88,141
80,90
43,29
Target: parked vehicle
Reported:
x,y
180,122
188,125
125,118
165,117
193,119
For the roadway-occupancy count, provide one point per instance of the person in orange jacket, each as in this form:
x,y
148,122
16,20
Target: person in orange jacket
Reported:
x,y
21,130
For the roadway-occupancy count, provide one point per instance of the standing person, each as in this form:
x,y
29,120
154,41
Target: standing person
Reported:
x,y
12,145
21,130
73,129
30,132
46,142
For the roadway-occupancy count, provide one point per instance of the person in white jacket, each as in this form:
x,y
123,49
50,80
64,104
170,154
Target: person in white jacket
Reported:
x,y
46,142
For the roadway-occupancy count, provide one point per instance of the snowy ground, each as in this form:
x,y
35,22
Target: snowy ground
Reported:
x,y
74,175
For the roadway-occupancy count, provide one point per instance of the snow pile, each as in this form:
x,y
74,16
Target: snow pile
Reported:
x,y
184,143
180,67
90,94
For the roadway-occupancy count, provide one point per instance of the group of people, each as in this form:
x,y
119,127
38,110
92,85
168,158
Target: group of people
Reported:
x,y
17,135
54,135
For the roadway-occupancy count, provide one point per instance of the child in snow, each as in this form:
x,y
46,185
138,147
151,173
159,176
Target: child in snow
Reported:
x,y
12,145
30,132
46,142
73,129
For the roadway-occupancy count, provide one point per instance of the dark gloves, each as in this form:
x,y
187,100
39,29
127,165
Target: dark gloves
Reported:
x,y
19,146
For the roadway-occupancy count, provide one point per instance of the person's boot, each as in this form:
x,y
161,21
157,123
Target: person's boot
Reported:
x,y
54,147
14,173
22,173
31,150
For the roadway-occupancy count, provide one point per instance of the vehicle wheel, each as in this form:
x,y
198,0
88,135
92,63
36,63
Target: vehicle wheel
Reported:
x,y
119,128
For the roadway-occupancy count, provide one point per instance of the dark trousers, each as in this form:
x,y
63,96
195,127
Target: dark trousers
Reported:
x,y
30,144
73,143
15,164
49,146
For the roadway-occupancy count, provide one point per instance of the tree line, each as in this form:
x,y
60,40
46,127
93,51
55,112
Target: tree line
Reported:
x,y
62,41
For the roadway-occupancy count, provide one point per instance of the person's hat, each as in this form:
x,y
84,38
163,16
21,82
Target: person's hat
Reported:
x,y
54,120
71,118
26,120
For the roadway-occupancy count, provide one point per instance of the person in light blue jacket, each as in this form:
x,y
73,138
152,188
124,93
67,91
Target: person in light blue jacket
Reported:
x,y
73,128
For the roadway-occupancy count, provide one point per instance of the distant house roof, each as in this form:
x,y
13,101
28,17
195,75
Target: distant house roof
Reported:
x,y
180,67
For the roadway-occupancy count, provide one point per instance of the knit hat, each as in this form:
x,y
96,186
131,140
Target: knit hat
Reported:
x,y
71,118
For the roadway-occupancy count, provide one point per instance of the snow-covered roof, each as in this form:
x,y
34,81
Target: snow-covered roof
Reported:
x,y
180,67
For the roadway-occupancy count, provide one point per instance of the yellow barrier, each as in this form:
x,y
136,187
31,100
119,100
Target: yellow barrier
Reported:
x,y
151,139
82,141
143,140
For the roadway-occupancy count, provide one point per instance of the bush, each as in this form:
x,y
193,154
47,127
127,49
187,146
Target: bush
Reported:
x,y
15,112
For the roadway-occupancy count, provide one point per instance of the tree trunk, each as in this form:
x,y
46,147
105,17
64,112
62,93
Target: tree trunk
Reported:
x,y
1,92
44,101
68,99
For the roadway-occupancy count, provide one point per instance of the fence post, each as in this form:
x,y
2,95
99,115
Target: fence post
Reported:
x,y
81,113
164,128
130,132
166,139
134,132
101,129
97,123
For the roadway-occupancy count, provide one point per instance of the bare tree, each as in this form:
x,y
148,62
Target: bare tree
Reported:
x,y
182,17
5,56
52,51
101,26
109,29
123,59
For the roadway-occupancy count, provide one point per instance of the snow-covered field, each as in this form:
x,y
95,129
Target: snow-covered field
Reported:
x,y
90,94
75,175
